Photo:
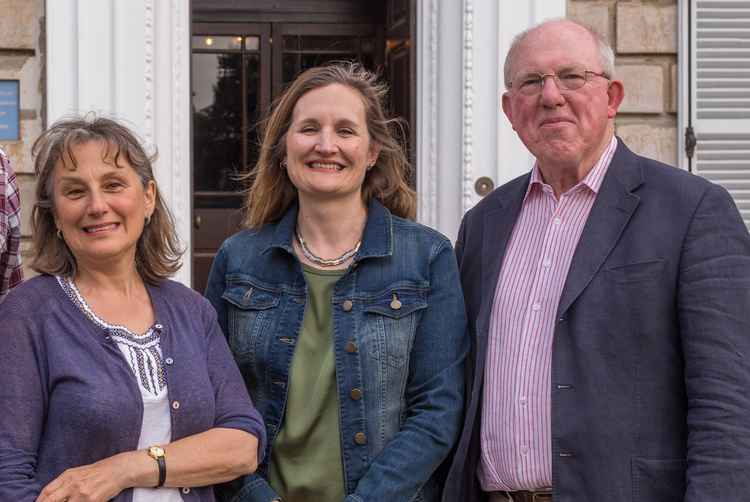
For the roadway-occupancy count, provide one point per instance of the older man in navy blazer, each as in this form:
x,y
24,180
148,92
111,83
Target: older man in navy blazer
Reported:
x,y
609,304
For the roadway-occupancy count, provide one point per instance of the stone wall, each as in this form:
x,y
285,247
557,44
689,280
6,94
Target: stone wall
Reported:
x,y
643,34
22,58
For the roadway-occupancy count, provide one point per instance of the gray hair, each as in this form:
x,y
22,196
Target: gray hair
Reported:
x,y
606,54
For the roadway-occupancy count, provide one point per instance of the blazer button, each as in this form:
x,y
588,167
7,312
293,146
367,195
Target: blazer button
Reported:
x,y
356,394
351,347
360,438
347,305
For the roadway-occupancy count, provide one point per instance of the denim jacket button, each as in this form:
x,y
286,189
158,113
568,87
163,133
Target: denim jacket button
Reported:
x,y
360,438
347,305
395,302
351,347
356,394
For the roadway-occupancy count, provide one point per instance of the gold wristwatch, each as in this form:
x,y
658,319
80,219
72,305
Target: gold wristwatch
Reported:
x,y
157,453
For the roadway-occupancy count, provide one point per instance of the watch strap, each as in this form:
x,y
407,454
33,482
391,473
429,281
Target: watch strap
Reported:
x,y
162,470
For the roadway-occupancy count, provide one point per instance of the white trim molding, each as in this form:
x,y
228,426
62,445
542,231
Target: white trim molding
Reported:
x,y
468,107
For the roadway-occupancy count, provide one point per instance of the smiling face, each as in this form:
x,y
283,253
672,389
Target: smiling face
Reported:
x,y
328,147
562,128
100,207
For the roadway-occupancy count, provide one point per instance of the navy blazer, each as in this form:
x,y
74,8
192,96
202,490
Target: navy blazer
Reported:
x,y
650,370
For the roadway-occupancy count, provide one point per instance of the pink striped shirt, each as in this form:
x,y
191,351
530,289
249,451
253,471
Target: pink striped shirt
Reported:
x,y
516,433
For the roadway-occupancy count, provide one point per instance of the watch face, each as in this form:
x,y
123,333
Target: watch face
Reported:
x,y
156,451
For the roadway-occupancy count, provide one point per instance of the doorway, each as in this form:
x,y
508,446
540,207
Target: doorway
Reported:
x,y
242,56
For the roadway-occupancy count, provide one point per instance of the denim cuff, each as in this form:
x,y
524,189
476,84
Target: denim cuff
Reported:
x,y
256,489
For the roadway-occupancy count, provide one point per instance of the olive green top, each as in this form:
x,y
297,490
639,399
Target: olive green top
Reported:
x,y
306,455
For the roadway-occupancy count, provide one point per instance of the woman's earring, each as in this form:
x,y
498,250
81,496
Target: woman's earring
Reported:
x,y
59,234
148,220
284,165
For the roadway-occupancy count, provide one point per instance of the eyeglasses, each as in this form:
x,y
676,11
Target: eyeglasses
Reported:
x,y
568,79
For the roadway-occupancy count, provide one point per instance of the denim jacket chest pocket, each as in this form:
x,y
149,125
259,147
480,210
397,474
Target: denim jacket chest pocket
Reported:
x,y
250,318
390,322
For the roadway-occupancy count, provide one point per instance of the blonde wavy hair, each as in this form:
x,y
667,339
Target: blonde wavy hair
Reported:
x,y
271,191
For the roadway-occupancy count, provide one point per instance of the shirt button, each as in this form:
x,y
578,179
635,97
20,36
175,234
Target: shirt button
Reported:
x,y
158,326
169,361
524,450
536,307
360,438
546,263
522,400
557,221
356,394
351,347
175,405
347,305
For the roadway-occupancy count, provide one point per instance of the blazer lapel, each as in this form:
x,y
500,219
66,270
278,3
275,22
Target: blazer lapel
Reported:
x,y
613,208
498,225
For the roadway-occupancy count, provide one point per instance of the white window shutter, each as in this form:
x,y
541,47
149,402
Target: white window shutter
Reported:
x,y
720,74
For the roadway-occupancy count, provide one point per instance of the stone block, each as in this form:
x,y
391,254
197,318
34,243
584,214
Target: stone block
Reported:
x,y
26,255
646,28
644,87
26,69
27,188
673,89
19,23
592,14
658,141
19,152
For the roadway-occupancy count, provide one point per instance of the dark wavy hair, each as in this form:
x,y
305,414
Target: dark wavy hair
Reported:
x,y
158,251
272,192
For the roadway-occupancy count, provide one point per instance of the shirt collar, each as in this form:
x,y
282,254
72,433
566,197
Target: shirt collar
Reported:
x,y
593,180
377,238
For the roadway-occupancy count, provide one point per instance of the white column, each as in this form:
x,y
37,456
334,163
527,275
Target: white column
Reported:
x,y
129,60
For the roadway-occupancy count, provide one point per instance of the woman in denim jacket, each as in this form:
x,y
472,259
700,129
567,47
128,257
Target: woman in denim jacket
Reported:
x,y
345,317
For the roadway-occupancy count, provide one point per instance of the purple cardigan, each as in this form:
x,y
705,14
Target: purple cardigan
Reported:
x,y
69,398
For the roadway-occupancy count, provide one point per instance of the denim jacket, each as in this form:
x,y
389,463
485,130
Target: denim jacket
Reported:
x,y
399,337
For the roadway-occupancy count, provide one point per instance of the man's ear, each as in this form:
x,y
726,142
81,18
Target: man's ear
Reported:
x,y
615,93
508,109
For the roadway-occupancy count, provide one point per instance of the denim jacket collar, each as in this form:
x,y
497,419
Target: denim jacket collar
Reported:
x,y
377,240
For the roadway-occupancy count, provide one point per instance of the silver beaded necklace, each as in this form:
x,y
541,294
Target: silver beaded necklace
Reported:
x,y
325,262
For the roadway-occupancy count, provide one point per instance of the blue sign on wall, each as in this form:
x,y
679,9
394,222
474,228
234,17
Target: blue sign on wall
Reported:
x,y
10,103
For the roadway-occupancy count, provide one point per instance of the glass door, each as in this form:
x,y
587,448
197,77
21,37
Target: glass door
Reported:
x,y
230,88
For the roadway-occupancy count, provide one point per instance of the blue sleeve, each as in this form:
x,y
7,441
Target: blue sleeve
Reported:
x,y
234,408
434,393
215,288
253,487
22,402
714,316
